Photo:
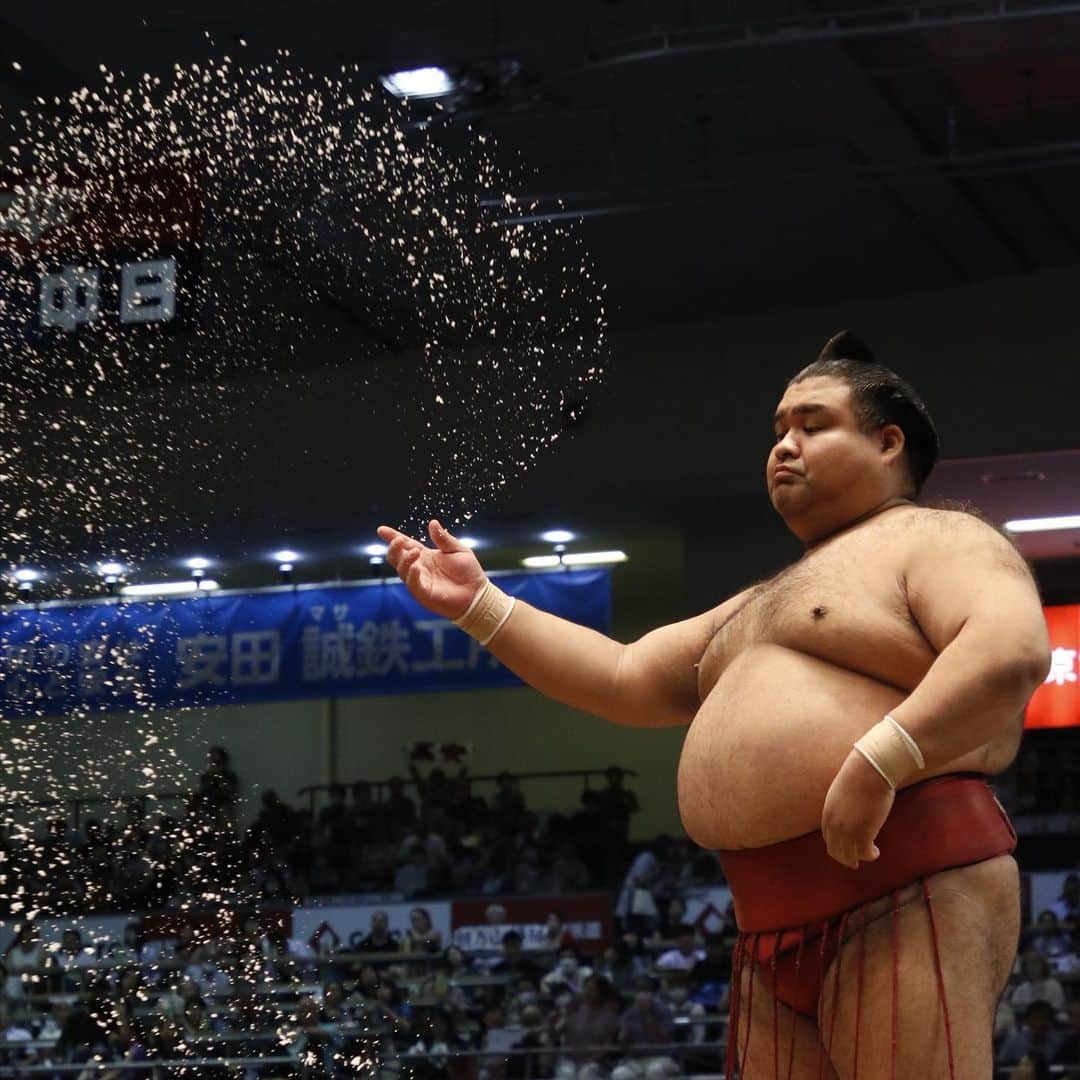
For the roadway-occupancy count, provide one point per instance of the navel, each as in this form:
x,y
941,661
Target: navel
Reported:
x,y
819,612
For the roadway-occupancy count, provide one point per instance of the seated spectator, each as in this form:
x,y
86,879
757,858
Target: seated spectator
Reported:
x,y
569,874
1050,940
685,955
592,1019
617,804
333,819
422,936
411,878
23,960
1067,905
497,1038
1037,985
670,920
710,976
441,989
219,786
429,1057
507,803
514,960
1032,1066
397,809
556,933
591,833
379,938
568,974
535,1036
623,962
646,1021
1068,1052
365,820
636,907
1036,1036
687,1015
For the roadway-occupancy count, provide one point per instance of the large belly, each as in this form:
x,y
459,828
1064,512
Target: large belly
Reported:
x,y
768,741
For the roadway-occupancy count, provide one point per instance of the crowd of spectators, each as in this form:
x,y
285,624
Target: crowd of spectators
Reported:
x,y
408,1001
430,836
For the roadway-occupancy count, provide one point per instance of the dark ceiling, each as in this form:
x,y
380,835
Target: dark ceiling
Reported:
x,y
792,156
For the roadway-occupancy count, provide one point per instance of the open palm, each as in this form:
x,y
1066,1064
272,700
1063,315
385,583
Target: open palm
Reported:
x,y
444,578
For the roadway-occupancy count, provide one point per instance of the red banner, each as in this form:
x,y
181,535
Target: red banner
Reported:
x,y
1056,704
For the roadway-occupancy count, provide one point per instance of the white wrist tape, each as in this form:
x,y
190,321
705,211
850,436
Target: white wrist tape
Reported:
x,y
486,614
892,751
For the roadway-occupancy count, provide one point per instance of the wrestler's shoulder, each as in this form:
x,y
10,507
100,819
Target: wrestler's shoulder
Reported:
x,y
951,522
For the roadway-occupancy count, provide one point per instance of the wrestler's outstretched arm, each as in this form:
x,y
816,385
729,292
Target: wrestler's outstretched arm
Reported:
x,y
651,682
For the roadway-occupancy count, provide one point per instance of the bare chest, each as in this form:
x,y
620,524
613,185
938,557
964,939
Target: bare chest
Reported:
x,y
844,604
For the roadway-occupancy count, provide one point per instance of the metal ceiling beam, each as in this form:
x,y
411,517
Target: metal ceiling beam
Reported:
x,y
634,199
808,28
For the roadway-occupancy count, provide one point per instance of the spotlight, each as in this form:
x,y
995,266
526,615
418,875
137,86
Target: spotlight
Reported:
x,y
198,567
470,542
111,572
25,578
376,550
557,536
425,82
286,561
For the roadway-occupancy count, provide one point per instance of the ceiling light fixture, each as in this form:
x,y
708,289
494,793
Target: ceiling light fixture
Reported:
x,y
1044,524
423,82
558,536
574,558
171,588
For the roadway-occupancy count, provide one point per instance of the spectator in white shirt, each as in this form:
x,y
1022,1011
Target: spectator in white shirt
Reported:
x,y
685,954
1067,905
1051,941
1038,985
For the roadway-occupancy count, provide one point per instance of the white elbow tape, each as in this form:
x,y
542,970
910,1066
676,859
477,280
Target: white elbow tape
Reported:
x,y
485,616
892,751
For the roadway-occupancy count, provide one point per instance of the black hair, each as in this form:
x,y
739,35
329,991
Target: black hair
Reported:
x,y
878,397
511,937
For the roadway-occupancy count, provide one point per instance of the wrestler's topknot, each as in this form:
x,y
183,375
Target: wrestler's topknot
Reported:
x,y
879,396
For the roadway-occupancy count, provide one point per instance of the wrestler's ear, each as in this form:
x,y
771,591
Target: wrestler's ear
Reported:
x,y
892,439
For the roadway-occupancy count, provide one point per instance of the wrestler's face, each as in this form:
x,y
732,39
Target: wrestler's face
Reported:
x,y
823,471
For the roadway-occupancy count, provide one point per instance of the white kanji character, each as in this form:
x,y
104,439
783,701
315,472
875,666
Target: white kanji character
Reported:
x,y
18,667
313,661
93,677
57,657
256,657
394,646
203,659
1062,666
439,660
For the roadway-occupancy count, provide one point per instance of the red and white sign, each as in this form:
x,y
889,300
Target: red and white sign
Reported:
x,y
1056,704
348,924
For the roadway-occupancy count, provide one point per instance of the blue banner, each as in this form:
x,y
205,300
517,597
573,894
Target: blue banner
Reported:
x,y
324,641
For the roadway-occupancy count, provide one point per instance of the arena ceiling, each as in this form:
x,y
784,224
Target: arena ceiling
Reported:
x,y
794,155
